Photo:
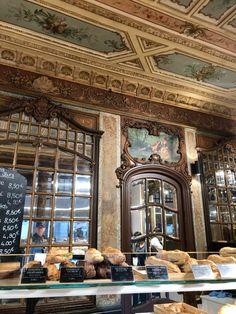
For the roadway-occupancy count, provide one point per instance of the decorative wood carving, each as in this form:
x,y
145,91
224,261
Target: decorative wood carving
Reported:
x,y
155,129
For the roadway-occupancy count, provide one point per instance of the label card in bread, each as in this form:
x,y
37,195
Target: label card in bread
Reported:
x,y
122,273
72,274
34,275
157,272
227,270
202,272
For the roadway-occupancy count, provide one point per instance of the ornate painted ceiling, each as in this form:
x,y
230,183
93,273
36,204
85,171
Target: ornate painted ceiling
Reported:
x,y
178,52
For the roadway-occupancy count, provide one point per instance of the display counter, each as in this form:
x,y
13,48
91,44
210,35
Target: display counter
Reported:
x,y
12,288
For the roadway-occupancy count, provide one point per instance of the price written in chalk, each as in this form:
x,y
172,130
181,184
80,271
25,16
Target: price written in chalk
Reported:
x,y
12,198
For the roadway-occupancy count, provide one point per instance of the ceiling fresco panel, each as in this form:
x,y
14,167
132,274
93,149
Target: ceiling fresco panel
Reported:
x,y
197,69
217,8
52,23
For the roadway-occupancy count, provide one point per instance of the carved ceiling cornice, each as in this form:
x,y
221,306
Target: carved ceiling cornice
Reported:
x,y
21,80
91,73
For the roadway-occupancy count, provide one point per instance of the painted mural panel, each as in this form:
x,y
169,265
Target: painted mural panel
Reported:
x,y
188,66
143,145
216,8
52,23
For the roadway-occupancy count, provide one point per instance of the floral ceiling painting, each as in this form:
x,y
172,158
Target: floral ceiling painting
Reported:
x,y
187,66
52,23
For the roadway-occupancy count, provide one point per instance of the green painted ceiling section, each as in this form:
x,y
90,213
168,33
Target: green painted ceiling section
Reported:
x,y
216,8
184,3
52,23
197,69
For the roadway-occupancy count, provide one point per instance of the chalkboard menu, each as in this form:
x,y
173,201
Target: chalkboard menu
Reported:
x,y
72,274
122,273
12,199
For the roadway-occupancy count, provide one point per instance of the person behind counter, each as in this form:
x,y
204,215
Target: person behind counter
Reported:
x,y
39,235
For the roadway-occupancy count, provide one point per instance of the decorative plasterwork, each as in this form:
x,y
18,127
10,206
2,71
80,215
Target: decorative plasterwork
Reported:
x,y
163,91
24,81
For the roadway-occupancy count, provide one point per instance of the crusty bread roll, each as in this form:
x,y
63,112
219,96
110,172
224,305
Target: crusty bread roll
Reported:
x,y
93,256
114,256
228,251
33,264
53,272
177,257
171,268
208,262
104,270
89,270
221,260
58,255
187,267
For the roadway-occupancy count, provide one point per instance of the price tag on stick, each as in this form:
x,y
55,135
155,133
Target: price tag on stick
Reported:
x,y
202,272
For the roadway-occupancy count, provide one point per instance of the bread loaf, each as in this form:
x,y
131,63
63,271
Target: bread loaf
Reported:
x,y
172,268
210,263
58,255
114,256
93,256
221,260
187,267
177,257
228,251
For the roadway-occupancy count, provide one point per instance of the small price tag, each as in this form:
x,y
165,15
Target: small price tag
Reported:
x,y
227,270
202,272
34,275
122,273
72,274
157,272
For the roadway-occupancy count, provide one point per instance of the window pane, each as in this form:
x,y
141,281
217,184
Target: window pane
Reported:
x,y
82,207
44,181
61,232
40,232
7,154
26,156
213,213
24,232
154,191
220,178
221,232
83,184
81,232
28,174
47,157
64,183
62,206
27,206
42,206
66,161
170,197
138,221
83,165
137,193
224,214
155,219
172,227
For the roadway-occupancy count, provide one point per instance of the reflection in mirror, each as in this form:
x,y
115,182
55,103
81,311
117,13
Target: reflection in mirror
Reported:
x,y
224,214
213,213
155,219
64,183
138,221
137,193
171,220
47,157
230,177
42,205
221,232
81,207
220,178
61,232
40,232
211,194
66,161
232,195
44,181
222,195
154,191
62,206
80,232
82,184
210,179
233,212
170,197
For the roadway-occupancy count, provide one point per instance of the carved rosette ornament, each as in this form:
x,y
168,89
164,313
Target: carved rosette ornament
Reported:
x,y
129,160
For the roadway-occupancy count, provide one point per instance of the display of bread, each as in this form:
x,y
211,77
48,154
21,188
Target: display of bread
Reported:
x,y
228,251
93,256
221,260
171,267
33,264
227,309
177,257
187,267
58,255
53,271
114,256
210,263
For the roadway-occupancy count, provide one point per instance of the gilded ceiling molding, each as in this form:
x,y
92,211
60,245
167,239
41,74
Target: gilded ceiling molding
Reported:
x,y
21,80
117,84
160,33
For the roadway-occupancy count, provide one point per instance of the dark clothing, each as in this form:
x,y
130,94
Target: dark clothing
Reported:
x,y
141,257
37,239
